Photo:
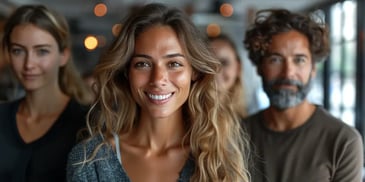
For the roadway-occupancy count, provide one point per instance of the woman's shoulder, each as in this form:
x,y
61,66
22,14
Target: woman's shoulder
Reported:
x,y
93,159
79,158
10,103
7,107
75,107
84,149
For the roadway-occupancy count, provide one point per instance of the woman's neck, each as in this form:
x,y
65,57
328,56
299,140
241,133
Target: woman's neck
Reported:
x,y
159,134
36,103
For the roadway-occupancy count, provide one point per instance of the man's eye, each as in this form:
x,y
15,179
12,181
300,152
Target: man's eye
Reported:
x,y
300,60
275,60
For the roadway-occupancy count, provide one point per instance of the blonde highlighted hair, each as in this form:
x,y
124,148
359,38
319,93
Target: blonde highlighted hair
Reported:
x,y
213,131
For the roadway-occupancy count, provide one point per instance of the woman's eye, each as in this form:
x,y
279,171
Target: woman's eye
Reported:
x,y
174,65
142,65
42,52
224,62
16,51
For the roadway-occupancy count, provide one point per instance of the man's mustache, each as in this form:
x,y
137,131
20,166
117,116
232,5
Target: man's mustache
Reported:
x,y
296,83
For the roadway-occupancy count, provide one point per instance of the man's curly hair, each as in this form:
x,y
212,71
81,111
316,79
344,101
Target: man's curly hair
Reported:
x,y
270,22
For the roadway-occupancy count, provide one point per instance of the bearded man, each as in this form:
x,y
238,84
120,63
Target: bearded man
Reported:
x,y
294,140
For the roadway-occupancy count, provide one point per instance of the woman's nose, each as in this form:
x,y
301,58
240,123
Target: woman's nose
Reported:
x,y
159,76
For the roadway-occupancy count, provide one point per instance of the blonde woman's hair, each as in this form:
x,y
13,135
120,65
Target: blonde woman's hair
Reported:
x,y
48,20
213,132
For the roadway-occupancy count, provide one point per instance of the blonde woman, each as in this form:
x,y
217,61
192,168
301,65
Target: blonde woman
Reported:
x,y
38,130
230,76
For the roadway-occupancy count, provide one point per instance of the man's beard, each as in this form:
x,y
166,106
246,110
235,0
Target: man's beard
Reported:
x,y
286,98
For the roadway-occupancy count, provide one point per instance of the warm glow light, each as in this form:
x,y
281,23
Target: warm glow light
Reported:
x,y
213,30
100,10
226,10
90,42
116,29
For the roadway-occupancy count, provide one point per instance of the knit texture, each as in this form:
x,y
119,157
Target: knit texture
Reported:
x,y
105,167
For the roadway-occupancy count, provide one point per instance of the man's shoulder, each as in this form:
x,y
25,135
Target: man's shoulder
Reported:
x,y
252,122
333,124
253,117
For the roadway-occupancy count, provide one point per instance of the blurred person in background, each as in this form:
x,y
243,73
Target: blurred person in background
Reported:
x,y
230,75
293,139
38,130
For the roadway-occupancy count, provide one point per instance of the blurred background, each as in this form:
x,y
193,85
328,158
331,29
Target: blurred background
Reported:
x,y
98,17
338,85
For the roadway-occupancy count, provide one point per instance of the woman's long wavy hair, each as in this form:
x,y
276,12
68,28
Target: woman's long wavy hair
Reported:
x,y
214,133
236,95
270,22
48,20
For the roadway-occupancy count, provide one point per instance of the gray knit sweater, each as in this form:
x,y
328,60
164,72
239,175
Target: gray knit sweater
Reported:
x,y
105,167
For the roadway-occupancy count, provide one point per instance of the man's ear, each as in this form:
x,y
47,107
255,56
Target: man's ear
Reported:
x,y
314,71
65,56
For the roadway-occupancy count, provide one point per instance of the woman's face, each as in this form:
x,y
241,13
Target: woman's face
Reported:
x,y
231,67
35,57
159,73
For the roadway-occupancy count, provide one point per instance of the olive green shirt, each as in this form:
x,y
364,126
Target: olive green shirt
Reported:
x,y
324,149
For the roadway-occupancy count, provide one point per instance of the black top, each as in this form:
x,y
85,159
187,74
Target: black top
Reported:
x,y
45,158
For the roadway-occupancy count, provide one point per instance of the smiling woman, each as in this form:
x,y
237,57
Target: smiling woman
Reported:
x,y
160,75
156,108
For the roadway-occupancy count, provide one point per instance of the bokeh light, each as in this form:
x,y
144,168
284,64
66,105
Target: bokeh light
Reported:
x,y
100,9
226,10
116,29
213,30
90,42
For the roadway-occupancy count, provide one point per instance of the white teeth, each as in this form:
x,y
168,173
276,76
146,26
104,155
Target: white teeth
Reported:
x,y
159,97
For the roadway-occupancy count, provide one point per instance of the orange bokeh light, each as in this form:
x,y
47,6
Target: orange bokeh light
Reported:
x,y
100,10
213,30
116,29
226,10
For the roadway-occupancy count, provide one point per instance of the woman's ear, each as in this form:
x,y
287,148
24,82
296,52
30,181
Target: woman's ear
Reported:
x,y
194,76
65,56
239,68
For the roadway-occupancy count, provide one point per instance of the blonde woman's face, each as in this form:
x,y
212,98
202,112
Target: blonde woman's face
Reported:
x,y
159,73
35,57
231,68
